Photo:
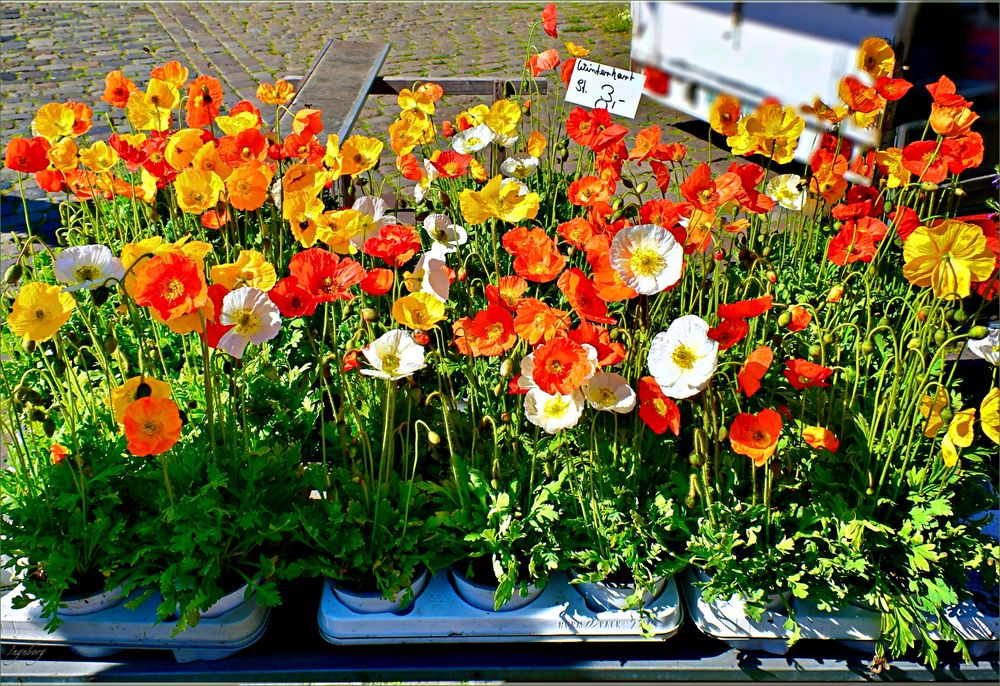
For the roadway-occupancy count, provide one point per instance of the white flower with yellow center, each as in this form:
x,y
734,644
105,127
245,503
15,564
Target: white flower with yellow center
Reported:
x,y
372,218
472,140
553,412
987,348
609,392
393,355
787,191
87,267
683,358
505,140
431,274
444,233
520,166
252,315
647,258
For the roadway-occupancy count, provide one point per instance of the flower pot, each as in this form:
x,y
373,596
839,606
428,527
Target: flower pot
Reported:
x,y
775,601
226,603
605,596
72,606
483,597
372,602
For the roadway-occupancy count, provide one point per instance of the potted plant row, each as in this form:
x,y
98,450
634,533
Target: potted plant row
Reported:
x,y
578,363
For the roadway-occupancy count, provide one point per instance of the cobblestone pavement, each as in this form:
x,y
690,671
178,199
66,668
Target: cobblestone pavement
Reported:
x,y
54,52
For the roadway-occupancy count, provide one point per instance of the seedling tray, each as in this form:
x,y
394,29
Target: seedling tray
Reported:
x,y
439,616
852,626
103,633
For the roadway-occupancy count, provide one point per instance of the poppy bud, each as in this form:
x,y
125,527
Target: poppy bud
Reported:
x,y
947,414
143,390
421,338
914,344
940,337
641,187
710,267
696,459
49,426
827,339
616,215
505,417
270,372
506,368
766,252
836,226
867,348
74,338
615,334
928,186
445,200
627,182
723,434
849,374
463,274
785,318
100,295
183,415
815,350
718,255
887,206
37,415
959,192
110,343
959,316
498,389
884,321
369,315
433,438
13,273
977,332
835,293
772,276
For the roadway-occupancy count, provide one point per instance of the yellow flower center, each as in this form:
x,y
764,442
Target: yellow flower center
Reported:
x,y
246,322
647,262
659,406
87,272
555,407
173,290
684,357
604,397
495,331
390,362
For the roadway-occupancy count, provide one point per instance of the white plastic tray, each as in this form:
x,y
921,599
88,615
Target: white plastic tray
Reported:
x,y
855,627
106,632
439,616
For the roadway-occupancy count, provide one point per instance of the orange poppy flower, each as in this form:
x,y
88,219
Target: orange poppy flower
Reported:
x,y
83,117
245,147
856,241
172,284
27,155
549,20
748,175
490,333
118,89
859,97
507,293
924,159
944,93
152,426
828,175
724,114
588,190
754,370
804,374
582,296
543,61
395,244
746,309
656,410
952,121
561,366
540,265
378,281
308,122
645,143
173,73
800,318
326,276
248,186
58,452
819,437
576,232
963,152
892,89
608,352
409,167
535,321
451,164
204,101
756,435
607,280
278,94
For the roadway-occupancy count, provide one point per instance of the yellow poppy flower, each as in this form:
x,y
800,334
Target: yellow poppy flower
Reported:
x,y
152,110
418,311
304,213
333,160
337,228
504,199
124,395
876,57
236,124
947,257
99,157
478,171
39,311
278,94
474,115
576,50
174,73
359,154
892,160
207,160
772,131
413,128
421,100
146,190
959,436
197,191
301,177
63,155
251,268
989,415
53,121
930,409
503,117
536,144
182,147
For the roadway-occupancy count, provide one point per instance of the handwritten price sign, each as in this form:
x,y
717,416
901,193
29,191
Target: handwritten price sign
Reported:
x,y
598,85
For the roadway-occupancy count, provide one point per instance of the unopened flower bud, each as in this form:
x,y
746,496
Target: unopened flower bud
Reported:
x,y
835,294
772,276
940,337
978,332
505,417
13,273
815,350
462,274
641,187
506,368
867,348
38,415
928,186
696,459
766,252
433,438
498,389
959,316
785,318
369,315
110,343
827,339
143,390
723,434
947,414
100,295
914,344
49,426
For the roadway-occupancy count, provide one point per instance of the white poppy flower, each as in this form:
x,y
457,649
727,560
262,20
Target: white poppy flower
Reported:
x,y
252,315
505,141
87,267
647,258
444,233
393,355
431,274
430,171
553,412
609,392
520,166
373,218
787,190
472,140
683,358
987,348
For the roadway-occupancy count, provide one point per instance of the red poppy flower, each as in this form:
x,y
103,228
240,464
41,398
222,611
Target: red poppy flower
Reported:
x,y
756,435
51,180
27,155
543,61
819,437
549,20
152,425
395,244
117,89
746,309
656,410
451,164
490,333
245,147
963,152
609,161
154,160
349,361
409,167
214,330
663,213
378,281
944,93
582,296
729,332
645,143
805,374
507,293
327,277
754,370
292,298
746,193
892,89
172,284
856,241
566,73
204,101
214,219
606,133
514,387
303,146
447,129
608,352
58,453
923,159
580,128
862,201
699,189
800,318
